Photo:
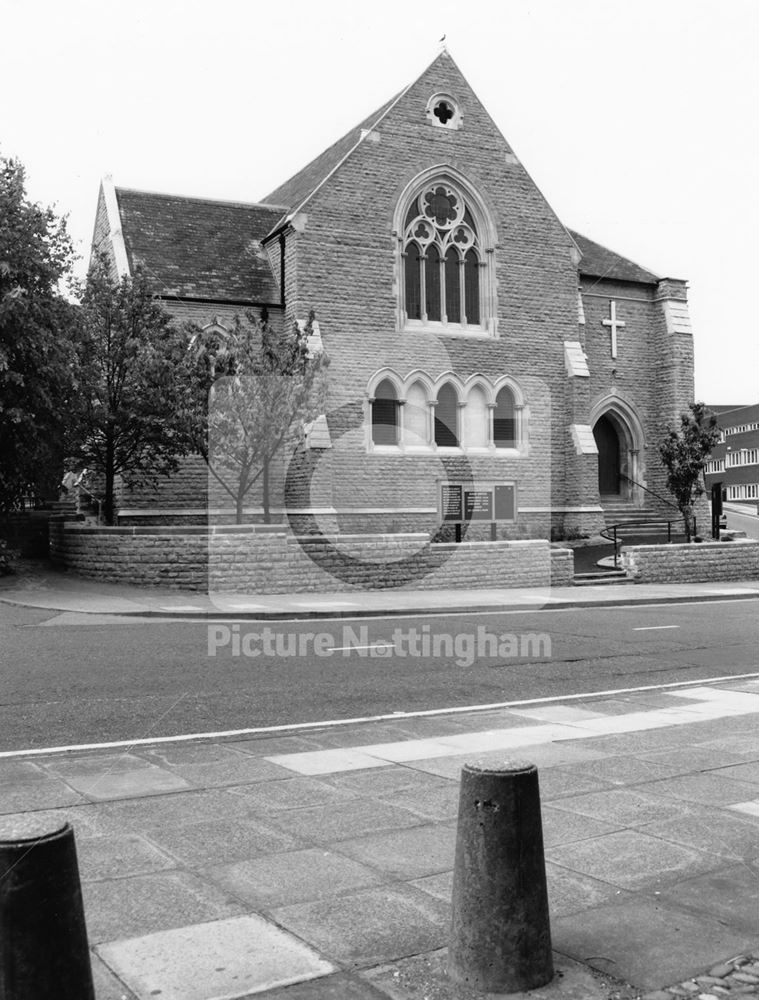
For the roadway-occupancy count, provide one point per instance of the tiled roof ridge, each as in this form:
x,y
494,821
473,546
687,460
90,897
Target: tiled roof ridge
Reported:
x,y
210,201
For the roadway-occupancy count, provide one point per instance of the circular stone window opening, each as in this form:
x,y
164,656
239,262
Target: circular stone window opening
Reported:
x,y
443,112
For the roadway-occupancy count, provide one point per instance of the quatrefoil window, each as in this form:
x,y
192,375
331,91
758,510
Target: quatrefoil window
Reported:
x,y
444,112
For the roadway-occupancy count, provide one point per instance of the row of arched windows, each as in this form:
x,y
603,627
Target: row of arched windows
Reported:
x,y
419,414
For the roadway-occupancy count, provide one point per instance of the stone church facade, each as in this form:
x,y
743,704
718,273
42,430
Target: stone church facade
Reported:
x,y
486,363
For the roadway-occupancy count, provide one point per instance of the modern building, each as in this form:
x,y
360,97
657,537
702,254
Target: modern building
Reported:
x,y
735,461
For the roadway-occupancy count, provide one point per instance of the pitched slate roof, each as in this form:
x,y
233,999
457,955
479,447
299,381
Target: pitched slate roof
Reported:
x,y
301,185
599,262
198,248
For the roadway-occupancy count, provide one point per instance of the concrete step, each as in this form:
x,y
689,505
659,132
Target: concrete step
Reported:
x,y
602,577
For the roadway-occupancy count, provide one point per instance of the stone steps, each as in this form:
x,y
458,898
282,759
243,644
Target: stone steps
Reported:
x,y
601,578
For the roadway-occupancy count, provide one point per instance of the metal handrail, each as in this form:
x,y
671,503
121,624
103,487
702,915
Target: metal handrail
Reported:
x,y
652,492
636,524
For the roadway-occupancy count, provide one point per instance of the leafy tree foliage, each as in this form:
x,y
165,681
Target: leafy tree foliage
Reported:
x,y
254,386
37,334
131,393
684,453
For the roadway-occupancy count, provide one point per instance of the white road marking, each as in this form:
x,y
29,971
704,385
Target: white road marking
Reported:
x,y
394,716
653,628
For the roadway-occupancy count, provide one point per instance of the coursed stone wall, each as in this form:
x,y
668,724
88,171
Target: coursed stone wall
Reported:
x,y
738,560
256,559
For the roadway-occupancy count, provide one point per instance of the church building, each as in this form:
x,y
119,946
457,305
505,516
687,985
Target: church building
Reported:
x,y
487,364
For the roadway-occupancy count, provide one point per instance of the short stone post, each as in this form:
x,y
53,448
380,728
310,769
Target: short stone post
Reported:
x,y
500,932
43,939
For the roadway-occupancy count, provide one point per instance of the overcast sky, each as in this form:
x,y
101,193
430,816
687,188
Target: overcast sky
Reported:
x,y
638,121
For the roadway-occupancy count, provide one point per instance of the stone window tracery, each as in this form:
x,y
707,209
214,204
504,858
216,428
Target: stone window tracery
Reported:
x,y
442,258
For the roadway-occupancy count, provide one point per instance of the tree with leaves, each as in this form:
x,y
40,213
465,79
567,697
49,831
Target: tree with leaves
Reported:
x,y
684,453
38,329
131,395
254,386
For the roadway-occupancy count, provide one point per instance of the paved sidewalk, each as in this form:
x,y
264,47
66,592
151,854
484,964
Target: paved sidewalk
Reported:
x,y
319,866
42,587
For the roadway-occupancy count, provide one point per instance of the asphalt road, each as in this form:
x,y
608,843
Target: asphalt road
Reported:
x,y
73,679
743,521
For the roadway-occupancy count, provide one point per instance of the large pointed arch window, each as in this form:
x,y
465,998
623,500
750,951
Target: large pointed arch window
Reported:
x,y
443,259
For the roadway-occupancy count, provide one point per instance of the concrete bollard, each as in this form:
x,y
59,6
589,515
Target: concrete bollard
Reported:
x,y
43,939
500,930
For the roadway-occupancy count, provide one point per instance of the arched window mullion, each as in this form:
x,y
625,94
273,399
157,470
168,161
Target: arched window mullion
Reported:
x,y
438,217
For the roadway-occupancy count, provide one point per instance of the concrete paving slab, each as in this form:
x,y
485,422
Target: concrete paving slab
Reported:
x,y
220,841
689,759
18,771
84,819
114,857
356,818
342,986
621,806
49,793
127,907
424,977
568,828
263,746
171,810
361,734
371,926
742,745
387,781
93,764
740,772
126,784
175,755
748,809
295,877
632,860
630,743
560,782
406,854
436,802
326,761
571,892
709,789
716,832
440,886
239,770
646,943
621,770
291,793
213,961
403,750
107,985
730,895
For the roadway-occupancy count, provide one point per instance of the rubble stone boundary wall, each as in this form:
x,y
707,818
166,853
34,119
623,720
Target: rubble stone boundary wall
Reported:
x,y
267,560
694,563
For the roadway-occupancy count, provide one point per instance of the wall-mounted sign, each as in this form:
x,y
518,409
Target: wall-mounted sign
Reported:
x,y
478,502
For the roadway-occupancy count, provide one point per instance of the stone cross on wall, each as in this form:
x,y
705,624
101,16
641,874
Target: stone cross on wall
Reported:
x,y
614,324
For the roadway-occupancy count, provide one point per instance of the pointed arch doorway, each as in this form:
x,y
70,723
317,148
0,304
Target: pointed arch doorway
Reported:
x,y
621,445
609,468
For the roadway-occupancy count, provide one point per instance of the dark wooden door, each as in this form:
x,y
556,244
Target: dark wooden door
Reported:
x,y
607,442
